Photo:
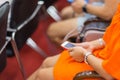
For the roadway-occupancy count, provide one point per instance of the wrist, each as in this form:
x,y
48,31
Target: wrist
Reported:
x,y
100,41
86,57
84,8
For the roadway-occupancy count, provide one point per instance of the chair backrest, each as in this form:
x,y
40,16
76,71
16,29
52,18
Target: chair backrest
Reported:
x,y
4,9
49,3
20,11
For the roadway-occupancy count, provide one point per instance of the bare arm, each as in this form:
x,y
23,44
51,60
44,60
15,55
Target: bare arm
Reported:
x,y
96,63
92,45
106,11
78,53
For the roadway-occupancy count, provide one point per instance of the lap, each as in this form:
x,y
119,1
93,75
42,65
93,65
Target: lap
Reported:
x,y
50,61
68,67
45,74
45,70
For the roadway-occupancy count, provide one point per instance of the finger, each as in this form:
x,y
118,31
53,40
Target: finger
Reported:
x,y
71,54
70,49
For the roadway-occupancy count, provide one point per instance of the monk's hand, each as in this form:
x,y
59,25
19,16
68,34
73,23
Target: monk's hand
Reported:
x,y
86,45
77,53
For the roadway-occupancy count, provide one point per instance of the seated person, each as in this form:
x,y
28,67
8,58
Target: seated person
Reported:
x,y
101,55
58,30
68,11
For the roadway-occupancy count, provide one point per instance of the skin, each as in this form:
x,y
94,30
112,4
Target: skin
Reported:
x,y
67,12
58,30
45,72
109,8
47,65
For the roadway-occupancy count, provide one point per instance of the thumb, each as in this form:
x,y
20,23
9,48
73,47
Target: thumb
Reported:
x,y
70,49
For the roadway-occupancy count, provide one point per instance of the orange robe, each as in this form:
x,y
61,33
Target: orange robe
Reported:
x,y
66,67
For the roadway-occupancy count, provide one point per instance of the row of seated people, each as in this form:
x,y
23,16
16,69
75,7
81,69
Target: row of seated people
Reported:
x,y
100,55
73,16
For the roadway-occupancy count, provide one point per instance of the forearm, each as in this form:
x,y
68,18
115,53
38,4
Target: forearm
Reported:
x,y
97,44
106,11
96,63
100,11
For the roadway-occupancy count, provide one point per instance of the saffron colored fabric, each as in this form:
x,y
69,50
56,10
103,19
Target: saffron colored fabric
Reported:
x,y
66,67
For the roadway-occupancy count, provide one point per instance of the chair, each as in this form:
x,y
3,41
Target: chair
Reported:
x,y
4,9
22,22
49,3
54,13
21,15
88,75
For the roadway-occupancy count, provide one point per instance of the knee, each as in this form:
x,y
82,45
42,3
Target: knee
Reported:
x,y
67,12
41,74
50,31
46,63
45,74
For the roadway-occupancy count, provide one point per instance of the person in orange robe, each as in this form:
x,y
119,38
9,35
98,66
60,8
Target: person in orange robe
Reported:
x,y
101,55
